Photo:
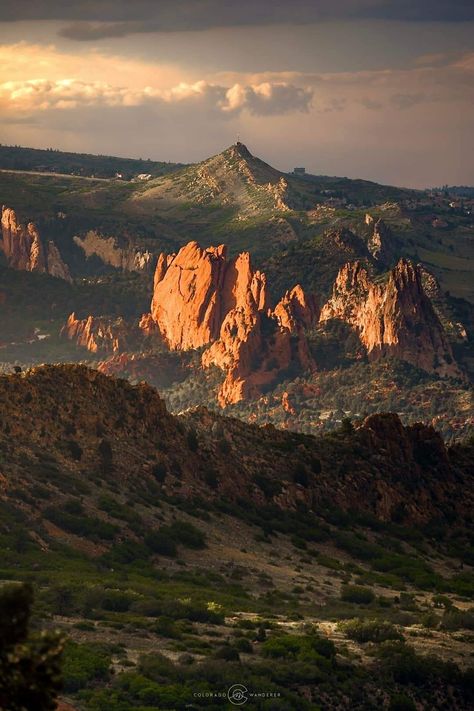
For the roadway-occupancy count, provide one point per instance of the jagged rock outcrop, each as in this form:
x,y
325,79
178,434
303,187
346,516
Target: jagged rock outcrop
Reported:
x,y
97,334
395,318
296,308
107,249
55,264
24,248
203,299
382,243
455,330
193,291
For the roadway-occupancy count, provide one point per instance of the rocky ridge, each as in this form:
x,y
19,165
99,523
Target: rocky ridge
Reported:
x,y
101,426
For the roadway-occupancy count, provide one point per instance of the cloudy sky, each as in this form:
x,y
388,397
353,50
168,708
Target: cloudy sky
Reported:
x,y
379,89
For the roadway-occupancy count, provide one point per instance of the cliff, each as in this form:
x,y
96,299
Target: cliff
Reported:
x,y
395,318
201,298
25,249
107,249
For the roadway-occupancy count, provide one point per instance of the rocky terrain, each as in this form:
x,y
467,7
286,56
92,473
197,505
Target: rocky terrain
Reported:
x,y
93,424
184,552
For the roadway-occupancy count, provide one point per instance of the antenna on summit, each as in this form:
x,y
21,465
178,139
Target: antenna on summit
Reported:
x,y
238,138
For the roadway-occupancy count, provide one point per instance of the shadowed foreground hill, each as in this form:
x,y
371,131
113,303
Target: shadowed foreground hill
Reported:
x,y
85,425
183,555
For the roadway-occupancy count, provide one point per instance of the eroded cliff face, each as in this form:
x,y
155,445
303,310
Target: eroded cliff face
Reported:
x,y
107,249
201,298
97,334
24,248
395,318
382,244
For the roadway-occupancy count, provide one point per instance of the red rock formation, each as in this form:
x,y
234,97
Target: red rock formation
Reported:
x,y
296,309
25,250
55,265
202,299
393,319
189,294
97,333
147,325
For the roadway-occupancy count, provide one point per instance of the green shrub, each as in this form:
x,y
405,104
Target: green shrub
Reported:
x,y
157,667
80,524
401,702
243,645
114,508
162,543
83,664
228,653
117,601
370,630
185,533
455,619
358,594
301,647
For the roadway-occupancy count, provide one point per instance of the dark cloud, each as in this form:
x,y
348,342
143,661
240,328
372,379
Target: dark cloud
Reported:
x,y
97,19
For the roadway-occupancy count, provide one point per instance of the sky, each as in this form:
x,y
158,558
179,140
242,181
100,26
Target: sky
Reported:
x,y
377,89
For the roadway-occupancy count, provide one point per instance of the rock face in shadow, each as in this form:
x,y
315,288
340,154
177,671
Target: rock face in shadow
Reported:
x,y
382,243
393,318
201,298
393,472
25,249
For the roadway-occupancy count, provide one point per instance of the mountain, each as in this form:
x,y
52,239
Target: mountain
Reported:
x,y
184,551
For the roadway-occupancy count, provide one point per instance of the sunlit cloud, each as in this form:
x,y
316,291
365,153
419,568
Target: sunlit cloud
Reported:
x,y
65,94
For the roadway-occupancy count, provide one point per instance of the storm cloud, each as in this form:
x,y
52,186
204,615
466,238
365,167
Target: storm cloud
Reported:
x,y
92,21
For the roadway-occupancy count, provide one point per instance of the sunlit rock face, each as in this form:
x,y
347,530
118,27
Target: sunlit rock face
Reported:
x,y
201,298
25,249
97,333
393,318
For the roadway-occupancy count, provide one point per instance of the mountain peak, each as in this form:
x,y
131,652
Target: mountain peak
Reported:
x,y
241,150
